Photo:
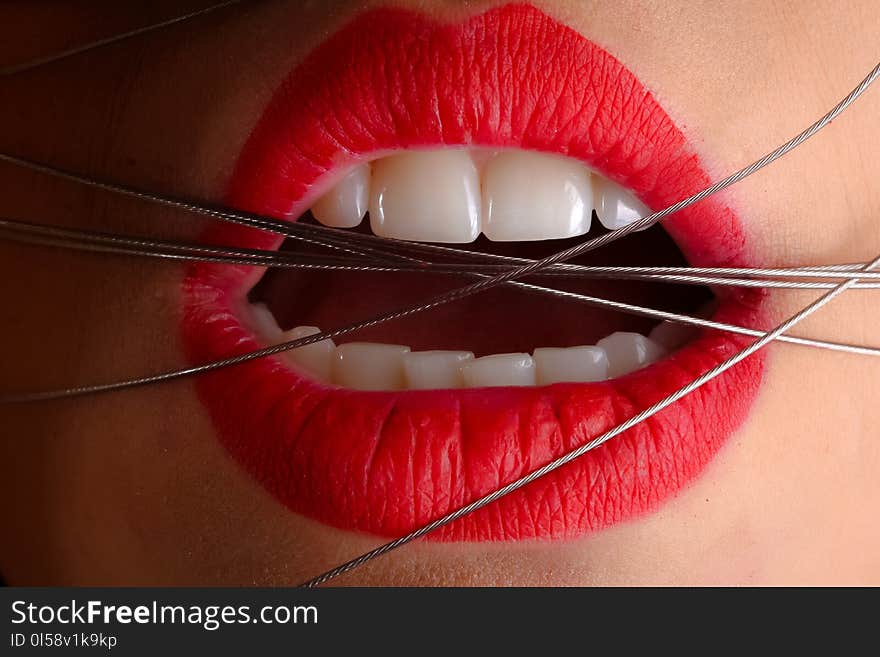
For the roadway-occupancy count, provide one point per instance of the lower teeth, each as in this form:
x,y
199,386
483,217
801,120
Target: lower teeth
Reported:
x,y
374,366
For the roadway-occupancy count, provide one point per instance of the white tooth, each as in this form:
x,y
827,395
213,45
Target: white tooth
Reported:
x,y
615,206
426,370
345,205
428,196
315,358
264,323
628,352
672,335
587,363
534,196
499,370
482,157
370,366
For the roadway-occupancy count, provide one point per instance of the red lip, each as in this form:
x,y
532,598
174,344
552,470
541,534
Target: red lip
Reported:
x,y
385,463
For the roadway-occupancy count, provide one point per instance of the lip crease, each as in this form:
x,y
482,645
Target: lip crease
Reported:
x,y
387,462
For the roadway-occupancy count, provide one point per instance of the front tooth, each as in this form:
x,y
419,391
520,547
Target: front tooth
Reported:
x,y
499,370
581,364
427,370
428,196
617,207
315,358
672,335
370,366
345,205
534,196
628,352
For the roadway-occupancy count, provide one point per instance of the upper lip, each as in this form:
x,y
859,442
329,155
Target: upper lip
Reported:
x,y
387,462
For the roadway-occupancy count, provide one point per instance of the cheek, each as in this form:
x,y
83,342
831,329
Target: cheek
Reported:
x,y
155,500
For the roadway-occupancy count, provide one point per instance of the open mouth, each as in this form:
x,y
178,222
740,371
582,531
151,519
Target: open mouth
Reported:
x,y
524,204
509,133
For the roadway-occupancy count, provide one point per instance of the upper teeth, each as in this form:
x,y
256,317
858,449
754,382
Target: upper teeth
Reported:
x,y
530,196
615,206
428,196
346,205
372,366
443,196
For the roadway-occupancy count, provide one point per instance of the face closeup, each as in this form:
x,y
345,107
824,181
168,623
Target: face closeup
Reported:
x,y
509,129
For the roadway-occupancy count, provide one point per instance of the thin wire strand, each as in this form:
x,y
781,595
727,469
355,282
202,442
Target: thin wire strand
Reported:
x,y
47,235
85,240
596,442
116,38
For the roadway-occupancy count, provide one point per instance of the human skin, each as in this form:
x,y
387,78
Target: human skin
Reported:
x,y
133,487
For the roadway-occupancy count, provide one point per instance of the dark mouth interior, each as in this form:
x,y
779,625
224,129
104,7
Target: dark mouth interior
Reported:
x,y
500,320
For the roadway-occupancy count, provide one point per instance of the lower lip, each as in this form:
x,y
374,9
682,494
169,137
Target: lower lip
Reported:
x,y
388,462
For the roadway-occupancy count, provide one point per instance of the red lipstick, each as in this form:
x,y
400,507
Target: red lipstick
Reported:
x,y
388,462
